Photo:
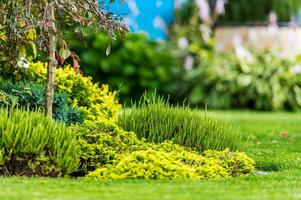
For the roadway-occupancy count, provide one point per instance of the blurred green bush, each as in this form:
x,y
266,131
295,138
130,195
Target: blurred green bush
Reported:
x,y
266,82
188,68
261,80
135,64
213,80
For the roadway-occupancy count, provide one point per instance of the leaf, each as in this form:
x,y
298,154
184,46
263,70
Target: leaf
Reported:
x,y
31,34
18,76
108,51
22,51
34,49
64,54
76,65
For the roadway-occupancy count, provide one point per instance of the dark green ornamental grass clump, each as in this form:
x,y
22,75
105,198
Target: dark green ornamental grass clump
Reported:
x,y
157,121
34,145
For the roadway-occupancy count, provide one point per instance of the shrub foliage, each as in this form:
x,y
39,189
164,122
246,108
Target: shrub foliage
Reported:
x,y
97,102
108,152
267,83
32,96
34,145
180,164
101,143
152,68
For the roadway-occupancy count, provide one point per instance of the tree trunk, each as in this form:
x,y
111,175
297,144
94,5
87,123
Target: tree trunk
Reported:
x,y
51,62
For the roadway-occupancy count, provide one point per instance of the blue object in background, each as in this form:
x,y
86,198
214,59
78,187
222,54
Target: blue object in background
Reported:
x,y
150,16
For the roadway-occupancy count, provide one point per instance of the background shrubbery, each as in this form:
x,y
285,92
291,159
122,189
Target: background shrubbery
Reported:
x,y
268,82
194,72
258,10
135,64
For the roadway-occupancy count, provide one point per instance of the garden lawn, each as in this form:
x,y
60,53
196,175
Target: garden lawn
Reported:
x,y
272,139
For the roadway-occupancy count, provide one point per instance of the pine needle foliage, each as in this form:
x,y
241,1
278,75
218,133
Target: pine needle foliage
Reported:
x,y
34,145
157,121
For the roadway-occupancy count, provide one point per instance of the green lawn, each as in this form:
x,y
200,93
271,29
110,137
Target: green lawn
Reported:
x,y
272,139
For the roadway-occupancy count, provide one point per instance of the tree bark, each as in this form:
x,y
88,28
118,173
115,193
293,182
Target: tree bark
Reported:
x,y
50,84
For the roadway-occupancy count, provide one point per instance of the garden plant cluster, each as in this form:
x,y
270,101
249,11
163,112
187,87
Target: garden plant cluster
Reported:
x,y
89,138
57,121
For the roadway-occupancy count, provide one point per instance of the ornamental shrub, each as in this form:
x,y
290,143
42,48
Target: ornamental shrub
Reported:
x,y
235,163
157,121
146,164
34,145
159,164
32,96
97,102
101,143
108,152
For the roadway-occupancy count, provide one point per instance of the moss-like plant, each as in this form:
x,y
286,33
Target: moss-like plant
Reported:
x,y
101,143
159,164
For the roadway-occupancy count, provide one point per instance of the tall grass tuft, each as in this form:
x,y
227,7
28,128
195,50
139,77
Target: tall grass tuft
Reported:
x,y
156,120
34,145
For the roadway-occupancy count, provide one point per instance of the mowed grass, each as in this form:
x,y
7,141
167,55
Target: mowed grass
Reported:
x,y
272,139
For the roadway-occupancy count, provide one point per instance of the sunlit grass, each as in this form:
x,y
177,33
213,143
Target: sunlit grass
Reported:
x,y
263,139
